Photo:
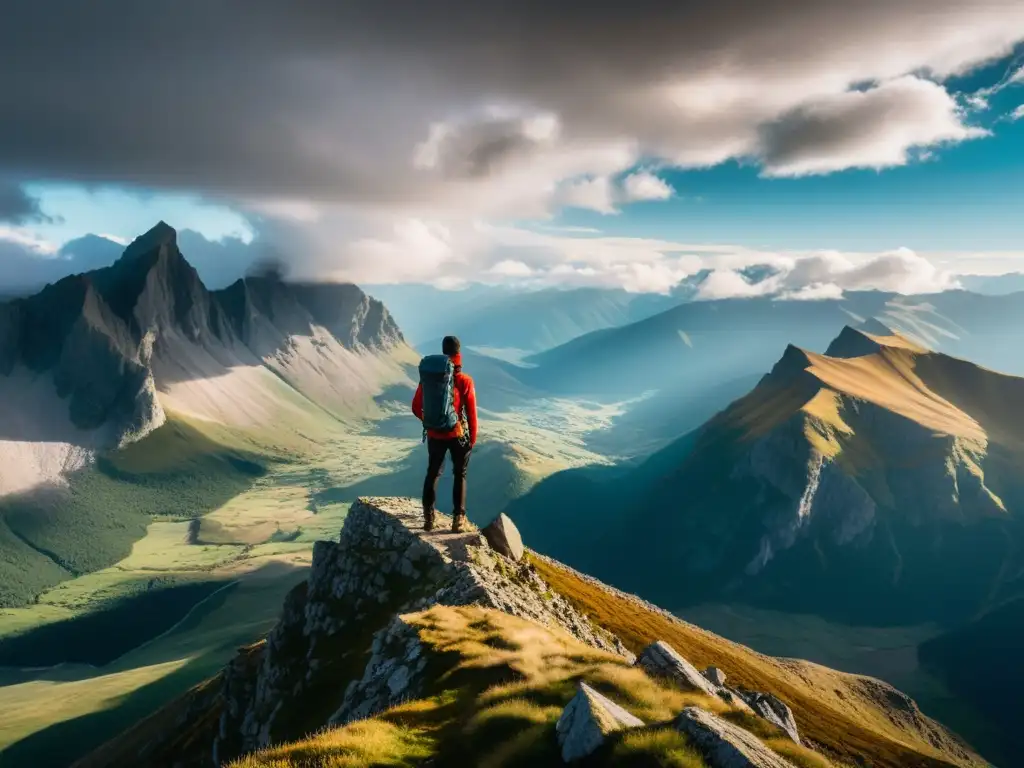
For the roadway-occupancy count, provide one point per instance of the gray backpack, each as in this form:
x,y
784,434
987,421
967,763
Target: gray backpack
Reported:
x,y
437,378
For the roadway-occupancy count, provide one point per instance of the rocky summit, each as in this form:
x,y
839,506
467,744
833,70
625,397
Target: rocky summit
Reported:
x,y
406,647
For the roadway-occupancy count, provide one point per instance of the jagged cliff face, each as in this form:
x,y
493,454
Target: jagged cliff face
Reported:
x,y
106,352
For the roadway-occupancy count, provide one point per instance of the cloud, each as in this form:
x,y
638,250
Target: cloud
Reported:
x,y
472,106
644,185
1018,113
816,292
874,128
17,206
827,274
596,194
510,268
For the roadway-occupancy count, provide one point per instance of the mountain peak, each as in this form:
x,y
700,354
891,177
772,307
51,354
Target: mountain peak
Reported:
x,y
852,342
160,235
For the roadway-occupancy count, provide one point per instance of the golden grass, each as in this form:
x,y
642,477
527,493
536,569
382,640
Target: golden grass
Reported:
x,y
496,686
847,719
368,742
664,746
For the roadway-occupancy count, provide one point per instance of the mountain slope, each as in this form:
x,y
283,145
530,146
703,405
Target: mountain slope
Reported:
x,y
103,361
981,663
881,472
404,647
710,341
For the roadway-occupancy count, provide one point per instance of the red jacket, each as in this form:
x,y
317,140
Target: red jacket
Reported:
x,y
464,398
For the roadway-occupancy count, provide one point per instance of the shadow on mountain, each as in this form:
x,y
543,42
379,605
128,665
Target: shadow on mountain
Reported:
x,y
59,745
62,743
99,637
652,423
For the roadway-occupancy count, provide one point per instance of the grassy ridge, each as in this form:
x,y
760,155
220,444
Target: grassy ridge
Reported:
x,y
50,534
834,711
495,687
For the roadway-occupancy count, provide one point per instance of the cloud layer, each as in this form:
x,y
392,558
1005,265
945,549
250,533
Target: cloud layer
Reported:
x,y
399,102
366,136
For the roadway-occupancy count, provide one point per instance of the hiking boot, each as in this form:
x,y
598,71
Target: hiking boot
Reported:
x,y
428,520
459,522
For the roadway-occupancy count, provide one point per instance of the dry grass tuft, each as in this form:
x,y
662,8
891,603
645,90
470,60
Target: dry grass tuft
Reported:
x,y
369,742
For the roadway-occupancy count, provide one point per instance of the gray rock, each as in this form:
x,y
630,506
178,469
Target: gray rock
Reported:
x,y
587,721
775,711
661,660
715,676
503,536
725,745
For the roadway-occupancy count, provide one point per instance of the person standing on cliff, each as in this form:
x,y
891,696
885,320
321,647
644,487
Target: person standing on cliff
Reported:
x,y
445,402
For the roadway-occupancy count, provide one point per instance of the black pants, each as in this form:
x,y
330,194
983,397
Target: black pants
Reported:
x,y
436,450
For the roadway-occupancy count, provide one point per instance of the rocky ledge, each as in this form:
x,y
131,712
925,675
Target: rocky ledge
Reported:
x,y
341,650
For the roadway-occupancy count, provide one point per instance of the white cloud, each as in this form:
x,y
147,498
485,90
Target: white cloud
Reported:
x,y
826,274
729,284
31,243
416,250
815,292
644,185
860,129
1018,113
116,239
595,194
510,268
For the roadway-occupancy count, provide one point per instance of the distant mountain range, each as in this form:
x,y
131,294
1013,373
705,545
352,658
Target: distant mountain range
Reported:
x,y
880,472
507,318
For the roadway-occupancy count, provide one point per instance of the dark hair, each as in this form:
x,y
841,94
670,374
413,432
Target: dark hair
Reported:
x,y
451,345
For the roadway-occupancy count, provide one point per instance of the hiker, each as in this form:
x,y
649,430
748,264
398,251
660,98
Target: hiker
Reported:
x,y
445,401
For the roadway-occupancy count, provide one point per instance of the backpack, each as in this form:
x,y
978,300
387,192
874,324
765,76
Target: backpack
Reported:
x,y
437,377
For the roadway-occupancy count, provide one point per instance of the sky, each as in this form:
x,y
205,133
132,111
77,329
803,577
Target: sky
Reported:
x,y
877,144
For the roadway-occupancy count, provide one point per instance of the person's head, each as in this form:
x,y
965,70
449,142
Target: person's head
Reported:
x,y
450,346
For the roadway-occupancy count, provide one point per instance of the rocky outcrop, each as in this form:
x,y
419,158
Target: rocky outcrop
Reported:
x,y
661,660
715,676
504,538
725,745
587,721
774,710
392,675
339,652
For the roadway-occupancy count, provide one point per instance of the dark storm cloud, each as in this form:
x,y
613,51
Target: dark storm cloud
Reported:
x,y
328,100
16,205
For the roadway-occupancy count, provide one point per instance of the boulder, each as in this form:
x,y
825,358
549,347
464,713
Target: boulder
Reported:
x,y
725,745
504,538
715,675
661,660
587,721
775,711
